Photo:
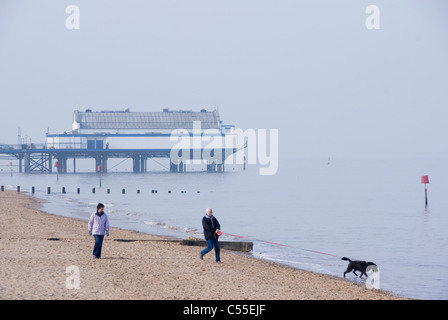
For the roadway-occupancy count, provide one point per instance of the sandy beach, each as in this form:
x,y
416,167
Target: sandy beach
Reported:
x,y
34,267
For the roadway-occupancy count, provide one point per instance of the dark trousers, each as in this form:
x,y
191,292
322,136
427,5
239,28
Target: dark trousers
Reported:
x,y
98,245
210,244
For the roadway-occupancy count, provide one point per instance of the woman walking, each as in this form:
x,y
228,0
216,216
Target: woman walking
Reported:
x,y
98,226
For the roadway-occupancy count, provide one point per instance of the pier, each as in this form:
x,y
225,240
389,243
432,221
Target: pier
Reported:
x,y
39,159
140,136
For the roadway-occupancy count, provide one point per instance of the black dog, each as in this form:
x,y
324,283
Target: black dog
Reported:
x,y
357,266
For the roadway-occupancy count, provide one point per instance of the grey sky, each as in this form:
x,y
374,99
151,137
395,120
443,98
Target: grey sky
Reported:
x,y
308,68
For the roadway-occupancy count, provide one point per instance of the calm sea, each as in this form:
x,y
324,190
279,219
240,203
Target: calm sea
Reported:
x,y
308,215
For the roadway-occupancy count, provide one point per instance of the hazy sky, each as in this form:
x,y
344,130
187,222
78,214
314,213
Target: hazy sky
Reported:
x,y
308,68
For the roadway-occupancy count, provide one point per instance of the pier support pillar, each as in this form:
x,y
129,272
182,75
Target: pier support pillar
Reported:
x,y
211,166
62,168
104,164
50,163
101,161
136,164
181,166
143,163
20,163
27,161
173,167
139,163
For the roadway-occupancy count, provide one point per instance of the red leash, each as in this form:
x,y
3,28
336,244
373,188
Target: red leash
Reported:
x,y
328,254
283,245
277,244
233,235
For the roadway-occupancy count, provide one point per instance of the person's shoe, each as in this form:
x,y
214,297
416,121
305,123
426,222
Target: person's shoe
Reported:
x,y
94,257
201,256
219,261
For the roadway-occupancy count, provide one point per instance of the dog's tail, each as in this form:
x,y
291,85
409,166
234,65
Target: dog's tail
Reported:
x,y
346,259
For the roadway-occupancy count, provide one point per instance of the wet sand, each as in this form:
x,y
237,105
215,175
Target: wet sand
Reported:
x,y
33,267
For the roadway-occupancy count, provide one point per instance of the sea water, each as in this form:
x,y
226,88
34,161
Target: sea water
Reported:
x,y
308,215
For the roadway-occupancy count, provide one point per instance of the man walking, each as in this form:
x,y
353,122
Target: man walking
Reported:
x,y
98,225
211,234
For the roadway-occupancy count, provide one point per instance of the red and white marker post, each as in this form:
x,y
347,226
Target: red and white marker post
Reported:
x,y
425,181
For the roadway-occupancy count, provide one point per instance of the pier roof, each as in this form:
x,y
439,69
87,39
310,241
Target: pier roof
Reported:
x,y
166,119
